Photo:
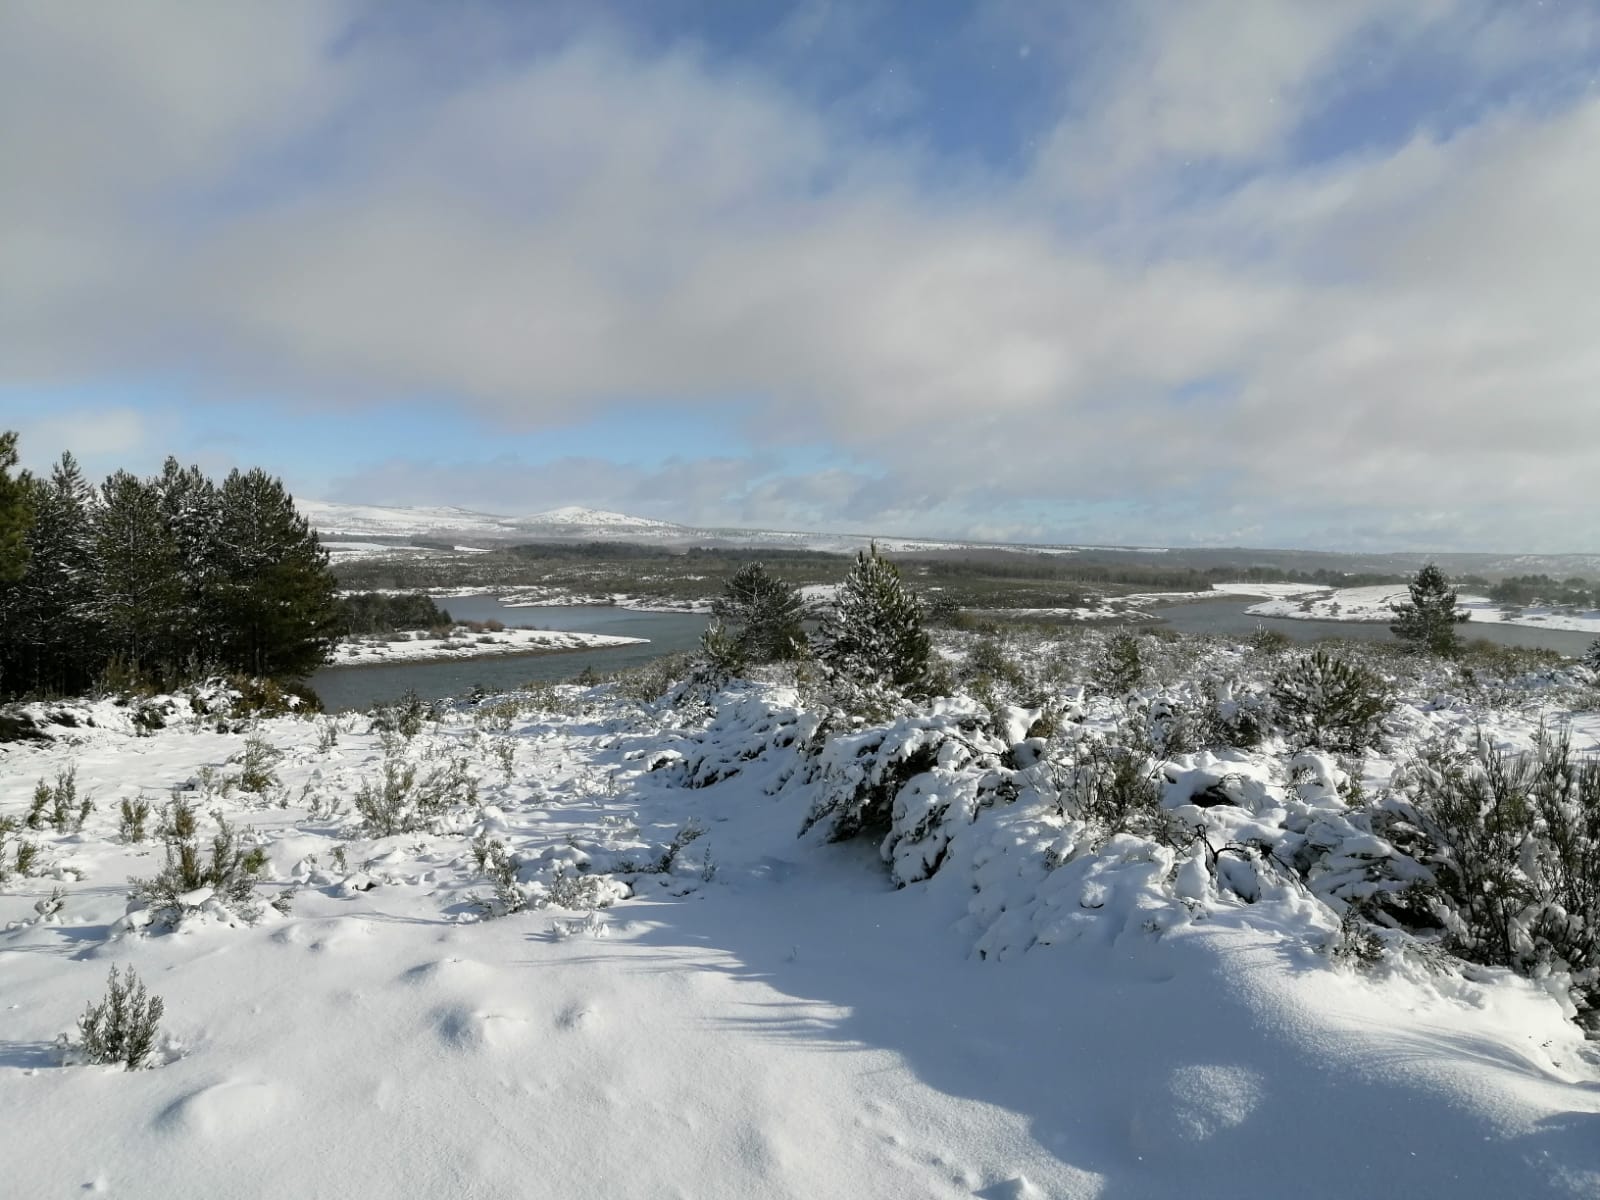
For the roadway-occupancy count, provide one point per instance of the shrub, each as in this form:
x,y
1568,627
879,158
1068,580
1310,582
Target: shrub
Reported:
x,y
1113,786
122,1028
1120,668
59,805
722,655
255,765
495,861
402,803
1331,704
1511,843
405,716
134,814
189,879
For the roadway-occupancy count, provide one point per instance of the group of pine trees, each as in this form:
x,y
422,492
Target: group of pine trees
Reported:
x,y
873,636
156,581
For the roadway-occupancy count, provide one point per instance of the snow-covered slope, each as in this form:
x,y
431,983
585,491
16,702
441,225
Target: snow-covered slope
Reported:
x,y
592,518
763,1017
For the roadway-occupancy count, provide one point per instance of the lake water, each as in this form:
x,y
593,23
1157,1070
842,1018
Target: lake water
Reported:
x,y
1228,618
344,688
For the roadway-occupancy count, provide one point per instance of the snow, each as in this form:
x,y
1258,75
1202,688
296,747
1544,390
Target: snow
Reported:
x,y
765,1016
1376,604
417,645
574,515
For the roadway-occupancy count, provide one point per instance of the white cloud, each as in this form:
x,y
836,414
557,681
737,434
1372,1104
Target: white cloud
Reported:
x,y
254,193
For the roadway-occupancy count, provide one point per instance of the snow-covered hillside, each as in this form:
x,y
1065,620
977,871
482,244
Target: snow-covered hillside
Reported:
x,y
597,962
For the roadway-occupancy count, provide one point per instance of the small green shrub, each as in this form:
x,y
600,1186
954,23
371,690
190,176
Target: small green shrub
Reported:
x,y
255,765
122,1028
134,814
1120,668
229,874
1330,703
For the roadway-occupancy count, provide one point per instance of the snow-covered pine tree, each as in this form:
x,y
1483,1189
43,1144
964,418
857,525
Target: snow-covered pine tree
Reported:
x,y
874,635
15,514
140,594
1429,619
277,600
766,615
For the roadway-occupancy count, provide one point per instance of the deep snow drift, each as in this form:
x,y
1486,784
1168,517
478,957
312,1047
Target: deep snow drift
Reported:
x,y
750,1013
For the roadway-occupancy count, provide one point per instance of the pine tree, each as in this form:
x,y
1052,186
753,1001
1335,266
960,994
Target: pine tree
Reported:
x,y
276,599
766,614
15,513
53,645
875,634
1429,620
190,508
141,595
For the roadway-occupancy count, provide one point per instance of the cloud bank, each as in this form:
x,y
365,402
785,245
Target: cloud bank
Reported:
x,y
1238,272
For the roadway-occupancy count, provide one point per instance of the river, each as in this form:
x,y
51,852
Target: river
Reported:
x,y
345,688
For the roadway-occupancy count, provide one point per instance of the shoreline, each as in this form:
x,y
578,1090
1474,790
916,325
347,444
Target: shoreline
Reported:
x,y
508,643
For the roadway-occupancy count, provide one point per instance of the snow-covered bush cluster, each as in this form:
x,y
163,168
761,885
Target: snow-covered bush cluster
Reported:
x,y
1311,791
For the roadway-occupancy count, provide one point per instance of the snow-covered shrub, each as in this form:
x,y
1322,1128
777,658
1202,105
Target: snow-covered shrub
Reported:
x,y
1591,656
722,656
652,680
191,881
912,783
404,717
1113,785
122,1028
1513,844
496,862
1330,703
403,801
255,765
1120,668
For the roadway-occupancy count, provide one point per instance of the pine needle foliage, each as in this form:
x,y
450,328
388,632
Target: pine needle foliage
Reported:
x,y
875,634
764,615
1428,620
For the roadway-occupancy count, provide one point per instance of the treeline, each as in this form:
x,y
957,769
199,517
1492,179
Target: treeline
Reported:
x,y
156,581
1523,590
376,612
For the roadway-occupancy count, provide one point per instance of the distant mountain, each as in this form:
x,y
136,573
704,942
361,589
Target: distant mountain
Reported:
x,y
573,517
368,528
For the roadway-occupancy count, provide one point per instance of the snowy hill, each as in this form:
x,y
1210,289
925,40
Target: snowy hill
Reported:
x,y
468,529
601,964
592,518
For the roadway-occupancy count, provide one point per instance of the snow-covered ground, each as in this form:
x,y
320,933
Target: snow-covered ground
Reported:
x,y
1375,604
418,646
754,1015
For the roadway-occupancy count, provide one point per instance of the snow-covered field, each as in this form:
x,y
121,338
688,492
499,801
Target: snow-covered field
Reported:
x,y
1375,604
417,646
750,1013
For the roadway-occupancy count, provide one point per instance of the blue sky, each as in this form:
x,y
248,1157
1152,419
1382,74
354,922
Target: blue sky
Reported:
x,y
1158,272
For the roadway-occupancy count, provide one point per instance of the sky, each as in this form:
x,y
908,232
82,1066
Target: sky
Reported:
x,y
1304,273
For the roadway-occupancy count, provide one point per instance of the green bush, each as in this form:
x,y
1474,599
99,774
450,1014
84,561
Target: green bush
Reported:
x,y
122,1028
1331,704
